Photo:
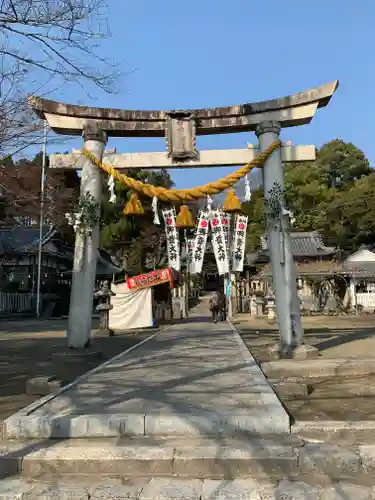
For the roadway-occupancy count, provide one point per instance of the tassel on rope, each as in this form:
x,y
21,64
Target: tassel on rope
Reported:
x,y
232,202
247,196
154,206
134,206
184,219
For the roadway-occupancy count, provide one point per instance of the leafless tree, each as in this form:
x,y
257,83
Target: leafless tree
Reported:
x,y
43,45
20,187
18,126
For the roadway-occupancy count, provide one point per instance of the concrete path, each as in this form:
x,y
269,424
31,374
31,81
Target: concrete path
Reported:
x,y
194,378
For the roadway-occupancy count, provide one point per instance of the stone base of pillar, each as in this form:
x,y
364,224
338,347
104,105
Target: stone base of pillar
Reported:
x,y
303,351
275,352
176,308
43,385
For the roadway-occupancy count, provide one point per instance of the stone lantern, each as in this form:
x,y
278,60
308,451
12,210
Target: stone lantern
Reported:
x,y
271,306
104,295
253,307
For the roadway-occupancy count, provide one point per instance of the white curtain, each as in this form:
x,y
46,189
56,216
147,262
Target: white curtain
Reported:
x,y
131,309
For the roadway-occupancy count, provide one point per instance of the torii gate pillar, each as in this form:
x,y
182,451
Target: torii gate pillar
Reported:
x,y
268,133
86,247
279,246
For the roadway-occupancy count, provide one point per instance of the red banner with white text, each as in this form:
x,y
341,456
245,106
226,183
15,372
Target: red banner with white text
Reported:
x,y
151,279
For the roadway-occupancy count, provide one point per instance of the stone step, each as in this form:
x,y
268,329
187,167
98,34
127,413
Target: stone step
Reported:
x,y
289,390
344,388
318,368
257,416
158,488
274,457
214,458
336,388
339,431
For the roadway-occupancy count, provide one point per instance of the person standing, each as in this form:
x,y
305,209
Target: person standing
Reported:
x,y
214,305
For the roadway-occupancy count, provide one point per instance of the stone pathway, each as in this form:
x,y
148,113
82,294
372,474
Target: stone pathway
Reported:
x,y
195,378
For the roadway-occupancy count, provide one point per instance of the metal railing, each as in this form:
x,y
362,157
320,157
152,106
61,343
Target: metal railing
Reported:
x,y
16,303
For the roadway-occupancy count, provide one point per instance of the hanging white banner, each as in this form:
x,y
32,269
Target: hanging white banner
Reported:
x,y
226,220
200,242
218,242
239,242
189,253
173,240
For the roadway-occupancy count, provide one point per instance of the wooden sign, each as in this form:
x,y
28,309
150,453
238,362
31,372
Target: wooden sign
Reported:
x,y
180,136
153,278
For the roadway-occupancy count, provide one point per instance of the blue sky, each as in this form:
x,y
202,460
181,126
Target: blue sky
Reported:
x,y
204,53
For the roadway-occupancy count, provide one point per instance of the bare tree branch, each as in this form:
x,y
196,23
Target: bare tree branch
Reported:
x,y
64,34
45,44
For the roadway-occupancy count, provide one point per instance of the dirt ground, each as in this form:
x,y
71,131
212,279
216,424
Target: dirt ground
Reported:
x,y
26,349
336,337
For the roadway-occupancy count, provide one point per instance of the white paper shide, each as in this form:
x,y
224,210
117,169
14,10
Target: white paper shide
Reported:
x,y
239,242
173,240
219,244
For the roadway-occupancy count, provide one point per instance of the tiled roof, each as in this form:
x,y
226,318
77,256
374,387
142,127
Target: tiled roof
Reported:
x,y
105,266
305,244
259,257
360,269
23,239
370,247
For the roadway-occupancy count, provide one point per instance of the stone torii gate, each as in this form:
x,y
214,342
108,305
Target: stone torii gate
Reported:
x,y
180,128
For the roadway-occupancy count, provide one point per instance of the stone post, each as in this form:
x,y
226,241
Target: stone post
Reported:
x,y
268,132
259,302
86,247
299,338
184,297
253,307
228,295
353,294
270,307
291,278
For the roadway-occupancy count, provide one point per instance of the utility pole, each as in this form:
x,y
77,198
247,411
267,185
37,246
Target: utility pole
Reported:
x,y
42,185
